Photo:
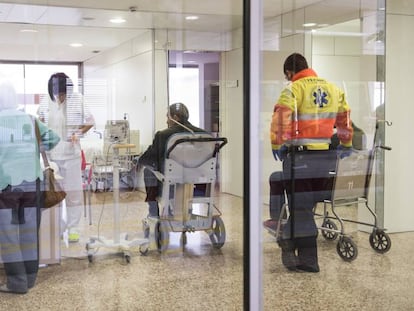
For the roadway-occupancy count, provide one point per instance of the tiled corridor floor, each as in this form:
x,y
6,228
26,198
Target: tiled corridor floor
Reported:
x,y
199,277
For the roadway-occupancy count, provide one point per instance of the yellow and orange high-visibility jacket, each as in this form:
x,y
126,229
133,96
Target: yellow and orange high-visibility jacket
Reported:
x,y
307,112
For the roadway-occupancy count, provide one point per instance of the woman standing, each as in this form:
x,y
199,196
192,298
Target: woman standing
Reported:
x,y
67,117
20,199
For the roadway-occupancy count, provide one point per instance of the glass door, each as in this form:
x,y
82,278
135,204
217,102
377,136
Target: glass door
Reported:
x,y
347,49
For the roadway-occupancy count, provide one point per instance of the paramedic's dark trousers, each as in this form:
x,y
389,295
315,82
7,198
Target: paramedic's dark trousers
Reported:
x,y
277,194
311,183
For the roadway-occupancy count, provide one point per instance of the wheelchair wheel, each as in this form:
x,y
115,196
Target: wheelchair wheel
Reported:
x,y
143,249
347,249
217,233
162,237
329,235
380,241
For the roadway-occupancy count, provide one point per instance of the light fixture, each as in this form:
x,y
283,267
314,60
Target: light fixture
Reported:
x,y
191,17
76,45
29,30
117,20
309,24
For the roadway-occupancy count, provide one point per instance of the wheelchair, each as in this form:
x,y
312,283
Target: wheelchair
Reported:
x,y
190,159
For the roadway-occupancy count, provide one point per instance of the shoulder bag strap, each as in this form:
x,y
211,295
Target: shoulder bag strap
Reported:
x,y
39,142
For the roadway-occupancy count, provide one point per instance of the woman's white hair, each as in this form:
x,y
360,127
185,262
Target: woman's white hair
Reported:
x,y
8,96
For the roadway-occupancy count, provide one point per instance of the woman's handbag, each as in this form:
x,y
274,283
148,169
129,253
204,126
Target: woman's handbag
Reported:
x,y
51,190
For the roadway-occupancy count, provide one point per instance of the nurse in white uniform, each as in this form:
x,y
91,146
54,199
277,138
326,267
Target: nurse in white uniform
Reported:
x,y
67,116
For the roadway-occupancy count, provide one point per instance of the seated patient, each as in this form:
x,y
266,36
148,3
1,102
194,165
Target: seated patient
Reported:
x,y
154,156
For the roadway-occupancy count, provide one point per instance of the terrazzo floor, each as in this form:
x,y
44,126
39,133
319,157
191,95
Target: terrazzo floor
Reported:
x,y
200,277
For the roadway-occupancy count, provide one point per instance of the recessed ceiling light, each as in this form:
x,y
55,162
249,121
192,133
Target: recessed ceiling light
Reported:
x,y
309,24
191,61
76,45
117,20
191,18
29,30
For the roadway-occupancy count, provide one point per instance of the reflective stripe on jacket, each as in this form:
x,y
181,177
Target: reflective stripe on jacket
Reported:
x,y
307,112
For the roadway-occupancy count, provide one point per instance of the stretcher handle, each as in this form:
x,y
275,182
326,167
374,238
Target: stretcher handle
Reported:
x,y
221,141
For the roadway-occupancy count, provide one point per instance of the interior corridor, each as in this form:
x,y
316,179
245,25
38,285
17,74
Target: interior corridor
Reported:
x,y
199,277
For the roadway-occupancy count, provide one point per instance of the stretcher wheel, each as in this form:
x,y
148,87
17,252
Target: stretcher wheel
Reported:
x,y
162,237
90,257
218,232
143,249
127,258
347,249
329,235
146,229
380,241
146,232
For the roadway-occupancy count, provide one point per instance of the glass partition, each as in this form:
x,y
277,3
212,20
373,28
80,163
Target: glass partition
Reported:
x,y
189,228
176,242
347,49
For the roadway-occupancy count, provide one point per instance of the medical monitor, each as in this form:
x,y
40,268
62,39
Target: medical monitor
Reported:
x,y
117,131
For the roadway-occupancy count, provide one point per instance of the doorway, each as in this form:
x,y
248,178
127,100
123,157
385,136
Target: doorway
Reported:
x,y
194,81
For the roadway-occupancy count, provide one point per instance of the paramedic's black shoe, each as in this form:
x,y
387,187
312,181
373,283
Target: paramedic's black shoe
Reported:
x,y
289,258
305,268
5,289
307,254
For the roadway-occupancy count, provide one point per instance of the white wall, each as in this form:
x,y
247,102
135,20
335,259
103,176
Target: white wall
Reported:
x,y
124,74
399,108
231,118
340,59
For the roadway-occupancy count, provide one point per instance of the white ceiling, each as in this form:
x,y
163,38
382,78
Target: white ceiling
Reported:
x,y
59,23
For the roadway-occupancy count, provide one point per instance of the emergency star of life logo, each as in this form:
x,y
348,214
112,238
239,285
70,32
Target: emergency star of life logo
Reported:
x,y
320,97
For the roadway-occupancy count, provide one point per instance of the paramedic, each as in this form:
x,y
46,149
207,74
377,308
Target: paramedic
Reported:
x,y
67,116
154,156
302,124
20,200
